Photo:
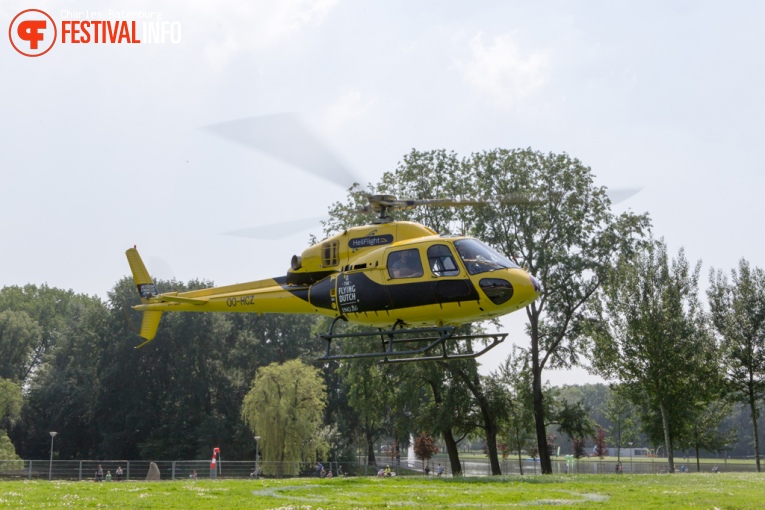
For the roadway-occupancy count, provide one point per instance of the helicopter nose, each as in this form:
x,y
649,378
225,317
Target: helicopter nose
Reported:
x,y
527,288
536,284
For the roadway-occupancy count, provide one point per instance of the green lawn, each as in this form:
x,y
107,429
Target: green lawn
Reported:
x,y
723,491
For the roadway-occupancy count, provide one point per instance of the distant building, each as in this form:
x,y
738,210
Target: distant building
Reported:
x,y
627,452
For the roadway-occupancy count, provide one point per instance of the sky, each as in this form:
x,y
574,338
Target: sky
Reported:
x,y
105,146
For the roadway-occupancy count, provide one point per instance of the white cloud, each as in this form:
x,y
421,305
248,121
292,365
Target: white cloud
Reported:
x,y
501,70
349,106
247,25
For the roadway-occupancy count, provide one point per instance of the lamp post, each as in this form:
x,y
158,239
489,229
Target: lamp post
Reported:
x,y
50,465
631,470
257,443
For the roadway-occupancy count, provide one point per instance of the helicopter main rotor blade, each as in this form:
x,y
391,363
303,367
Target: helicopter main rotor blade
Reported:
x,y
284,137
618,195
276,231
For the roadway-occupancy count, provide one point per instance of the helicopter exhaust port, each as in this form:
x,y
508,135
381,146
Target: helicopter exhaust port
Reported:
x,y
296,262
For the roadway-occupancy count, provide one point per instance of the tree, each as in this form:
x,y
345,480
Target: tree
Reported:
x,y
652,336
436,404
517,429
737,309
48,308
10,401
490,401
578,447
285,407
622,414
370,394
10,407
568,240
705,431
600,443
425,448
19,334
572,418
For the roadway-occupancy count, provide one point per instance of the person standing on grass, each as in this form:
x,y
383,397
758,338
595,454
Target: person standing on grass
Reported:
x,y
119,473
99,474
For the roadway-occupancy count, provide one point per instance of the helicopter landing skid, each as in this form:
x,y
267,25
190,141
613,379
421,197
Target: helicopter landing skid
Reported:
x,y
432,338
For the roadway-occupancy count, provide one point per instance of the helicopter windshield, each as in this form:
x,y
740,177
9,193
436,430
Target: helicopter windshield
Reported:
x,y
479,258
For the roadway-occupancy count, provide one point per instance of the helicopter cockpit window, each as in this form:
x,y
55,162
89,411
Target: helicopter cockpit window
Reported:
x,y
479,258
404,264
442,261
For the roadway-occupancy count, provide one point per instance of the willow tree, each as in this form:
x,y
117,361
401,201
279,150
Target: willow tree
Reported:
x,y
285,408
737,308
653,337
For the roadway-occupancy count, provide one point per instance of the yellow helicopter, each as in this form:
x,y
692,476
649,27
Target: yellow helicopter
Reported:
x,y
402,278
415,286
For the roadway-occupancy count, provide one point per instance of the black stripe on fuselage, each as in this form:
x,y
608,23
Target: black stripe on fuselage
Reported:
x,y
356,292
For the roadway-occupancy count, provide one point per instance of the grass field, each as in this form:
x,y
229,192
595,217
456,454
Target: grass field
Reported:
x,y
723,491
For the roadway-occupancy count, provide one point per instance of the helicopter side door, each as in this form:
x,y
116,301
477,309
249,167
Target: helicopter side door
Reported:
x,y
451,286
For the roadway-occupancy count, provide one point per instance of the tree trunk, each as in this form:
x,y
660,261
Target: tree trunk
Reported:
x,y
753,411
667,438
452,450
536,384
520,462
539,421
371,461
489,420
446,433
698,462
491,445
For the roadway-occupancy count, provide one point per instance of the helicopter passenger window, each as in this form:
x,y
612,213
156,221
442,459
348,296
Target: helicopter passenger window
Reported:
x,y
404,264
441,261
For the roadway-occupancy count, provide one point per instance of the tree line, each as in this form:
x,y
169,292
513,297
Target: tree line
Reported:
x,y
612,296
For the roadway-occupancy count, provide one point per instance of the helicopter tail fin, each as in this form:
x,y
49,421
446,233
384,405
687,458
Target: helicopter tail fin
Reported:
x,y
149,325
147,290
141,277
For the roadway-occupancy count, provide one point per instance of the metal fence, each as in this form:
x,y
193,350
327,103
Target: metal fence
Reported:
x,y
133,470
